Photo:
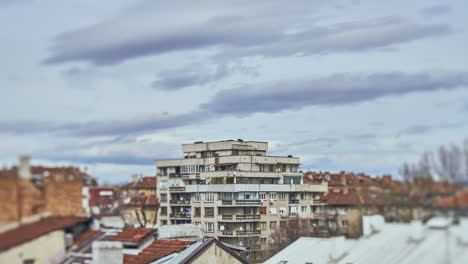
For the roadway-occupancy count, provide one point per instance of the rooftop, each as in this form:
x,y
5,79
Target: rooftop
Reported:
x,y
27,232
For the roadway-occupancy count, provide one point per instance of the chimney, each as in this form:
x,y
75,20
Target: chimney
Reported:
x,y
134,177
107,252
24,170
343,178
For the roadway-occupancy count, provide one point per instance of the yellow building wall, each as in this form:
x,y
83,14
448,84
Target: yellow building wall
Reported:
x,y
215,254
49,248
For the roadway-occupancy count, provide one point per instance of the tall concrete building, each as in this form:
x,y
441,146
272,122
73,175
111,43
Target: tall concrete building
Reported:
x,y
234,190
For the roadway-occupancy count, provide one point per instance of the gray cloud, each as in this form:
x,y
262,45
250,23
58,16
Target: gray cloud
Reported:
x,y
335,90
107,127
266,29
172,80
437,10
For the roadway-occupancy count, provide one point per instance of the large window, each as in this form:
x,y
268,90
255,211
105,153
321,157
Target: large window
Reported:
x,y
272,210
197,211
342,210
272,225
196,197
263,226
282,196
273,196
163,197
164,210
263,210
209,227
282,211
209,197
209,211
262,196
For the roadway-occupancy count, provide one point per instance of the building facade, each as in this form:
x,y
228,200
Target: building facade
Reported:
x,y
234,190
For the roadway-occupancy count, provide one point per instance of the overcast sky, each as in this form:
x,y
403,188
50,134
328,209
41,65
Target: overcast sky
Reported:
x,y
112,85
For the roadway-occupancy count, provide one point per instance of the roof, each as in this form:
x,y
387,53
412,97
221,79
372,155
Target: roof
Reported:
x,y
342,196
28,232
158,249
204,246
133,234
146,200
391,245
148,182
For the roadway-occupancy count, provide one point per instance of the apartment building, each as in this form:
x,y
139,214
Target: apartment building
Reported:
x,y
234,190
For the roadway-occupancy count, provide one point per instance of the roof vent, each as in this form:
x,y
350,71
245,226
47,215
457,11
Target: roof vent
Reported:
x,y
240,140
290,156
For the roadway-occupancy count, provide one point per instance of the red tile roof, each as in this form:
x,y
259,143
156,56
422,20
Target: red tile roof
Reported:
x,y
147,200
158,249
342,196
148,182
28,232
86,236
133,234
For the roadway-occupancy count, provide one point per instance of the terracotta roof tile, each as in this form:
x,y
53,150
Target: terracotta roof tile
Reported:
x,y
133,234
27,232
342,196
85,237
148,182
148,200
158,249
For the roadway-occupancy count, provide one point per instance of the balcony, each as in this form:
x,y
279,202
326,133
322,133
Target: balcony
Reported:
x,y
177,189
227,233
185,216
227,217
248,202
226,202
247,217
248,233
294,201
179,201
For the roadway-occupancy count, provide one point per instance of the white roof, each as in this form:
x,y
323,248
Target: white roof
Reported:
x,y
393,244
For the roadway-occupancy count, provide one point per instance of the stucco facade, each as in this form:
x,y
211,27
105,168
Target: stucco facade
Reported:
x,y
48,249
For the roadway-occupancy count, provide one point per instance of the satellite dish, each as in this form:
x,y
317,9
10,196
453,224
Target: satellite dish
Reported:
x,y
221,228
241,229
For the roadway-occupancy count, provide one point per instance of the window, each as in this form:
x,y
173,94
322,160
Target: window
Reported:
x,y
303,209
303,196
263,226
209,197
197,223
282,211
273,196
209,227
164,222
282,224
29,261
263,210
196,197
282,196
272,225
342,211
272,210
197,211
263,240
297,180
209,211
247,196
261,167
235,152
163,210
262,196
344,223
271,168
163,197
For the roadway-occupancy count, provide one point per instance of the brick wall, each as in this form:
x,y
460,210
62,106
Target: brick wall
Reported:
x,y
8,198
63,194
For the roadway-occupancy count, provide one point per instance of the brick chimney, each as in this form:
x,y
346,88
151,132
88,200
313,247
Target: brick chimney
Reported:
x,y
24,170
343,178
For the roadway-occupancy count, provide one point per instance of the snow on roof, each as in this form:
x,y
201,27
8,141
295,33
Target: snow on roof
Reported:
x,y
392,244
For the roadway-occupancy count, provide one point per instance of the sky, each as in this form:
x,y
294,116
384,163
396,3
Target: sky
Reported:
x,y
112,85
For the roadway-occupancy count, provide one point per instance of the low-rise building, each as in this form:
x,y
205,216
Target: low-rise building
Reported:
x,y
43,241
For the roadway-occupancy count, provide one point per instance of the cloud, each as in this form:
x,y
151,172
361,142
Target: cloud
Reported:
x,y
335,90
106,127
266,28
172,80
437,10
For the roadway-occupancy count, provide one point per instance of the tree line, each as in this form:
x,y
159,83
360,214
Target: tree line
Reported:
x,y
448,163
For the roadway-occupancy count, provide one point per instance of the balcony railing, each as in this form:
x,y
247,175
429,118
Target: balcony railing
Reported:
x,y
248,233
176,189
180,215
247,202
227,202
247,217
227,217
227,232
179,201
294,201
